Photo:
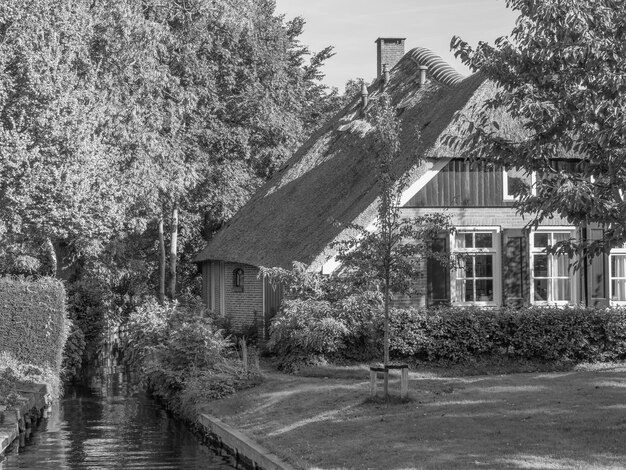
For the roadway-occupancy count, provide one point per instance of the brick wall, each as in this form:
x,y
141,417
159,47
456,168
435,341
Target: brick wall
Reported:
x,y
388,51
241,305
505,217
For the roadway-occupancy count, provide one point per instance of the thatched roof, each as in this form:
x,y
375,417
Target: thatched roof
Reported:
x,y
330,181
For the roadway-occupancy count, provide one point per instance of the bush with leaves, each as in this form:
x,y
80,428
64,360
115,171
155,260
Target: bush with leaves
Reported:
x,y
363,317
305,332
13,371
173,345
544,334
209,385
73,354
248,332
8,388
309,331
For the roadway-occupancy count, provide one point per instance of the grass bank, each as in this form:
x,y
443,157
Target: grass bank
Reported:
x,y
574,419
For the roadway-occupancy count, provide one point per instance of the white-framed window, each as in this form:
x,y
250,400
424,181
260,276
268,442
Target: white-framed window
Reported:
x,y
617,276
552,277
513,180
476,277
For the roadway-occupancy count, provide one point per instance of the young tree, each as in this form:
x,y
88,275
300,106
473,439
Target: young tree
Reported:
x,y
389,258
560,78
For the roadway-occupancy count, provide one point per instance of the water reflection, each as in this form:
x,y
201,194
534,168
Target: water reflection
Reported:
x,y
107,426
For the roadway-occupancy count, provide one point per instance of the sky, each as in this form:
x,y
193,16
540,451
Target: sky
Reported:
x,y
352,26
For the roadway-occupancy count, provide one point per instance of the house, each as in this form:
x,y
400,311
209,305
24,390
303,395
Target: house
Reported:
x,y
330,182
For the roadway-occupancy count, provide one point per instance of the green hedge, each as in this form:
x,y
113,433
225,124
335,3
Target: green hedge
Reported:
x,y
33,321
306,331
533,333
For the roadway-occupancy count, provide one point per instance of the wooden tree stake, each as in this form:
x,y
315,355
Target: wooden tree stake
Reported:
x,y
244,353
404,383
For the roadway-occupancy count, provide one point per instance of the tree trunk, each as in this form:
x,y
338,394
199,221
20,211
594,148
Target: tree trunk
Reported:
x,y
173,253
386,336
161,262
52,257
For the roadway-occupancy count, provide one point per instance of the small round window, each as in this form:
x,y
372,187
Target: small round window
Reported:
x,y
238,280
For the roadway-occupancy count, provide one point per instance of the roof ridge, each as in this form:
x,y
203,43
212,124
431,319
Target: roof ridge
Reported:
x,y
439,70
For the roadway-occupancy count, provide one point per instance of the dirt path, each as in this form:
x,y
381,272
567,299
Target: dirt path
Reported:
x,y
569,420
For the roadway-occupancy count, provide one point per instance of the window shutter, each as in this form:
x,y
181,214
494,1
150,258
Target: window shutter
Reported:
x,y
515,272
597,275
438,274
273,297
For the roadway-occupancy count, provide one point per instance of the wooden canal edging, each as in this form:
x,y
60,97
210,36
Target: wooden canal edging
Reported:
x,y
244,449
34,404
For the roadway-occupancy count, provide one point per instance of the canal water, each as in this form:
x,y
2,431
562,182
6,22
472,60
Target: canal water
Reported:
x,y
110,426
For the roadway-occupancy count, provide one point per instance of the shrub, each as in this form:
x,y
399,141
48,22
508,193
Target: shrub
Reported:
x,y
304,332
8,388
248,332
13,371
362,316
310,331
457,335
34,324
73,354
213,384
33,330
172,346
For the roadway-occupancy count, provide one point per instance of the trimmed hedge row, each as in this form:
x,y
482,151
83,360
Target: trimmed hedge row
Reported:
x,y
33,321
306,331
532,333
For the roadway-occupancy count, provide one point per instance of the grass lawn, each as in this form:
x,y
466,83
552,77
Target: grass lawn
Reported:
x,y
542,420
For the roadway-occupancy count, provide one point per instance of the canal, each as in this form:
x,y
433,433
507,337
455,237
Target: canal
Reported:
x,y
109,426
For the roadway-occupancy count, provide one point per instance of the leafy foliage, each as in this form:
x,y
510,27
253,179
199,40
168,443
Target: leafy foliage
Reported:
x,y
14,372
299,283
560,78
73,354
171,344
461,335
248,332
117,114
34,325
308,331
205,386
305,331
8,388
447,335
362,316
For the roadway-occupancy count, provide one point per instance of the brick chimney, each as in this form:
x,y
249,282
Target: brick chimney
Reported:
x,y
388,51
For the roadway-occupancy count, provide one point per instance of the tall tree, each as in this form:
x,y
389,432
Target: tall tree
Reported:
x,y
560,77
58,181
389,258
126,126
115,113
